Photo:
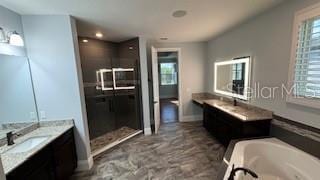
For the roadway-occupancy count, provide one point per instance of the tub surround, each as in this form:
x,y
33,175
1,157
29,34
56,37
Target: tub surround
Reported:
x,y
242,111
297,128
296,134
301,136
272,158
50,129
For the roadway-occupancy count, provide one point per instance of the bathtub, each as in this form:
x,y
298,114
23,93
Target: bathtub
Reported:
x,y
272,159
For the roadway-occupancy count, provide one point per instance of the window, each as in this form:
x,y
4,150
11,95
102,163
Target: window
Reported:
x,y
307,68
168,73
237,71
304,75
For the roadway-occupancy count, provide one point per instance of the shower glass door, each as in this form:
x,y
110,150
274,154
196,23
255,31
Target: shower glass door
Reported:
x,y
99,99
127,94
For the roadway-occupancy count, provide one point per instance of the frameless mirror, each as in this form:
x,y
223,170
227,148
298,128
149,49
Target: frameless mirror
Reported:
x,y
232,78
17,103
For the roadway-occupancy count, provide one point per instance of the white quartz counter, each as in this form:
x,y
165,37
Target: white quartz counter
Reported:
x,y
12,160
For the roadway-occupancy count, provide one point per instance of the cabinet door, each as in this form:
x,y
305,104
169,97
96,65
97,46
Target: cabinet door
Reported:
x,y
38,167
209,119
44,172
224,131
65,160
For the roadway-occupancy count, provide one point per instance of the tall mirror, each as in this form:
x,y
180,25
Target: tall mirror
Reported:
x,y
17,103
232,78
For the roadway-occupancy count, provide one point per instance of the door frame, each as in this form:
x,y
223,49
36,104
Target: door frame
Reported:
x,y
179,61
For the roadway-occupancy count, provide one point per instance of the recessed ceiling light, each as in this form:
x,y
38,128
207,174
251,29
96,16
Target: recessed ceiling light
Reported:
x,y
85,40
99,35
164,38
179,13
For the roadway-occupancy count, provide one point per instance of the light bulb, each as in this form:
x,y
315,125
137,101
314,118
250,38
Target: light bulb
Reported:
x,y
3,37
15,39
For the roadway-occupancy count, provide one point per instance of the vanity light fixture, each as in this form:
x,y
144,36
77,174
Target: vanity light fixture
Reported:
x,y
12,38
15,39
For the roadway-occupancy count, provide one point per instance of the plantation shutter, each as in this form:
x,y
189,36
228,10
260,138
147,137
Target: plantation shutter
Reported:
x,y
307,66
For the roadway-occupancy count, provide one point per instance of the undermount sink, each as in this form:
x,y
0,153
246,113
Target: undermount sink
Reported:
x,y
27,145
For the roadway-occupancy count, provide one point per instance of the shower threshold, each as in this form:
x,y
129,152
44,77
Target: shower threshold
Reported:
x,y
102,143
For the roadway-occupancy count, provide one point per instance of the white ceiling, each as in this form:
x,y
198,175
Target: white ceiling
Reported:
x,y
122,19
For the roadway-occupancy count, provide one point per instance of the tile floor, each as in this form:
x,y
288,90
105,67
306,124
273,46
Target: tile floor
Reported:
x,y
179,151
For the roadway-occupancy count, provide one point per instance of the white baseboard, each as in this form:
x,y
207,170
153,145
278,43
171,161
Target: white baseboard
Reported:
x,y
85,165
147,131
192,118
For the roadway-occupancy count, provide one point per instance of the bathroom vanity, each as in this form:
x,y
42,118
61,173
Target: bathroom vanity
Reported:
x,y
226,121
48,152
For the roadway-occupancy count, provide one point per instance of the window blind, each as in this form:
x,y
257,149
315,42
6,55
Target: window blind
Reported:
x,y
168,73
307,66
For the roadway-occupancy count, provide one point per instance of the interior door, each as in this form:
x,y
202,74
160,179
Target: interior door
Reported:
x,y
156,103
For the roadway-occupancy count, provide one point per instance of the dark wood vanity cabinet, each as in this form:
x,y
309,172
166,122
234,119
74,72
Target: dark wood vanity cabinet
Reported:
x,y
64,156
56,161
226,127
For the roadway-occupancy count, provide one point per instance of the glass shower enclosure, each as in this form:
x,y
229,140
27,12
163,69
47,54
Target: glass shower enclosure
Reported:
x,y
113,101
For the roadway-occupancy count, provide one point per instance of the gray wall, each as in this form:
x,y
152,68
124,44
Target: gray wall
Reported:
x,y
267,38
144,85
52,47
167,91
192,72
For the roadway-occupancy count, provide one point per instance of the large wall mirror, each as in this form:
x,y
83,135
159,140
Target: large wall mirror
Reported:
x,y
231,78
17,103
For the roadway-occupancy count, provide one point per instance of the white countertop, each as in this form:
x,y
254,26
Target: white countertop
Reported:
x,y
244,113
12,160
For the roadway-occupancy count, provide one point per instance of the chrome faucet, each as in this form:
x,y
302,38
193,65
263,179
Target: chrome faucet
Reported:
x,y
235,101
245,170
10,137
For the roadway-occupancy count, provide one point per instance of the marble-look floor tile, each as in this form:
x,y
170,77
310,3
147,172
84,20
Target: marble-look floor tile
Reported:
x,y
110,137
179,151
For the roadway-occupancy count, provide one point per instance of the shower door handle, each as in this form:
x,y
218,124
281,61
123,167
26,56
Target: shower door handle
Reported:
x,y
110,105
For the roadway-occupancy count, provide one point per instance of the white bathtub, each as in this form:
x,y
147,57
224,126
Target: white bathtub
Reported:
x,y
272,159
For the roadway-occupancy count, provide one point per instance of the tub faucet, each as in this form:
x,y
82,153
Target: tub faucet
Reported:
x,y
245,170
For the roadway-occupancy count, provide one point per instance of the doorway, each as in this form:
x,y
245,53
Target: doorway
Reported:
x,y
167,98
168,86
